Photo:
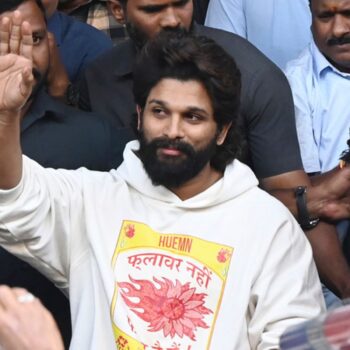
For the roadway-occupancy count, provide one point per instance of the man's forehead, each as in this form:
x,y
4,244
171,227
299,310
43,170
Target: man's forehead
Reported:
x,y
183,94
330,5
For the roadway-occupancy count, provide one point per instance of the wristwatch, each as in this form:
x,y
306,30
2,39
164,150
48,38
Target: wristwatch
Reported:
x,y
304,219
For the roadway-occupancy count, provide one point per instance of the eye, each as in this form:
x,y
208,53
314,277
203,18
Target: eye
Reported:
x,y
194,118
158,111
37,38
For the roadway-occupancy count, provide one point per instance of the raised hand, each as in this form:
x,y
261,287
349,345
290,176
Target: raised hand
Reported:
x,y
16,77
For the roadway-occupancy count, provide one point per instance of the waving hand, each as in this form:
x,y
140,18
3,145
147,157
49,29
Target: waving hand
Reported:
x,y
16,78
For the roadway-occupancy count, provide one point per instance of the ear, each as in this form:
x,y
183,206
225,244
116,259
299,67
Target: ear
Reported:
x,y
139,114
117,10
222,134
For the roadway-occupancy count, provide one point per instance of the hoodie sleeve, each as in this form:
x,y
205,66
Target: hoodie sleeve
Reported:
x,y
38,216
287,289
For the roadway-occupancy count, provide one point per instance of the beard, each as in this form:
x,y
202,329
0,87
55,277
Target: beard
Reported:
x,y
139,38
173,171
136,35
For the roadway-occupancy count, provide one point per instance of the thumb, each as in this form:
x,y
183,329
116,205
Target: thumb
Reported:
x,y
26,83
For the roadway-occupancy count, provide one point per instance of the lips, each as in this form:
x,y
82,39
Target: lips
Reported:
x,y
171,152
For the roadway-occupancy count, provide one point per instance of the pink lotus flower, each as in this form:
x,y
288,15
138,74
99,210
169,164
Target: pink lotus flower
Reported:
x,y
173,308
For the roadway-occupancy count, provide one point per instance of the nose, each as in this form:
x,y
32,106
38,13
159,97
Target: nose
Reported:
x,y
170,18
340,26
174,130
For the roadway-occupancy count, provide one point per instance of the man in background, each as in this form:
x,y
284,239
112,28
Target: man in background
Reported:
x,y
320,81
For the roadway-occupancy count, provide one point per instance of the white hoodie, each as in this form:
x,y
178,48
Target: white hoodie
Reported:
x,y
226,269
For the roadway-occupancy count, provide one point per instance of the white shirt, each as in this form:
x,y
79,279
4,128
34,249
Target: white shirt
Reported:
x,y
321,99
279,28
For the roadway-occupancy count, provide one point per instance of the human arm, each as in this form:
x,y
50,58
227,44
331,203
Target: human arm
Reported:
x,y
16,81
327,194
17,202
227,15
26,324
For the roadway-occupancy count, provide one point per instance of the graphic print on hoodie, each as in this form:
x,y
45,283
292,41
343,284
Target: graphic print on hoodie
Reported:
x,y
168,289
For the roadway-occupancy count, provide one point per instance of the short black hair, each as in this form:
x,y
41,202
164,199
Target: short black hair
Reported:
x,y
10,5
184,56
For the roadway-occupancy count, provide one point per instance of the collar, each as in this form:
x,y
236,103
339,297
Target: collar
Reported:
x,y
322,65
42,104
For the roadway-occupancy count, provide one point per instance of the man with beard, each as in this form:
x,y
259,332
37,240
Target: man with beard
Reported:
x,y
267,117
56,136
320,81
172,254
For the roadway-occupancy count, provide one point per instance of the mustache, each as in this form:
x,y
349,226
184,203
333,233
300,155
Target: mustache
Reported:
x,y
338,41
175,144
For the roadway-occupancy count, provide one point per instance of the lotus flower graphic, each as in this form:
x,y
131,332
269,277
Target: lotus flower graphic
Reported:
x,y
175,309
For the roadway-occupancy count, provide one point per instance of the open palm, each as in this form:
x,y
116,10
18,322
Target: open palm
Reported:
x,y
16,78
15,82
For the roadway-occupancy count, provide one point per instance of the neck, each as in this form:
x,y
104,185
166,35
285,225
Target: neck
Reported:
x,y
206,178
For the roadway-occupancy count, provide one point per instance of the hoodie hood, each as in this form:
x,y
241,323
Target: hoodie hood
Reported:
x,y
237,179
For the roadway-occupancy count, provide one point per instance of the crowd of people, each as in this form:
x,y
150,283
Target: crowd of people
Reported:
x,y
170,175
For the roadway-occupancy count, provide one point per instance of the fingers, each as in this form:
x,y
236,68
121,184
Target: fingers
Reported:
x,y
27,82
23,296
10,298
16,36
7,298
4,35
26,47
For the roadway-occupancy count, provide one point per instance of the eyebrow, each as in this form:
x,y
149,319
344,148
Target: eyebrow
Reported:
x,y
162,6
332,10
160,102
193,109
